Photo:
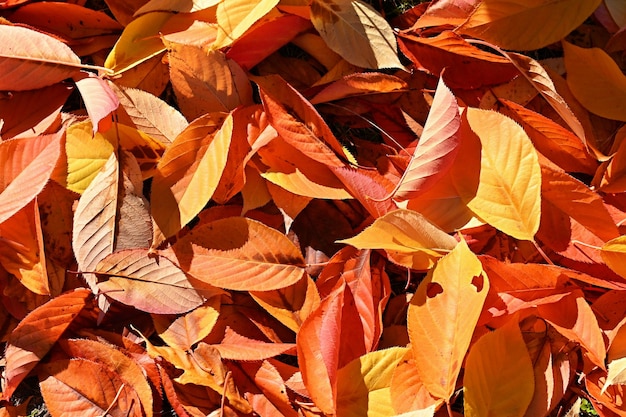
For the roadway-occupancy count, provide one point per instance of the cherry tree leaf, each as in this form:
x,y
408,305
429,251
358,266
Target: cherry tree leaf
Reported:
x,y
30,59
442,316
437,147
25,167
237,253
357,32
148,284
499,378
235,17
31,340
509,188
99,99
522,25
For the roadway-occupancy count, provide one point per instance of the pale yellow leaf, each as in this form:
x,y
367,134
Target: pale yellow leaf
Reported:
x,y
357,32
526,24
509,188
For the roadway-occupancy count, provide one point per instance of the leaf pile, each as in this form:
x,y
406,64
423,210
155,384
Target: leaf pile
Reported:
x,y
311,208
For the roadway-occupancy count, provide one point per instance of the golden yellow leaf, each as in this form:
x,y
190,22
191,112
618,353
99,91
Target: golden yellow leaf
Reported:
x,y
357,32
509,188
363,384
526,24
600,87
442,316
499,378
235,17
614,255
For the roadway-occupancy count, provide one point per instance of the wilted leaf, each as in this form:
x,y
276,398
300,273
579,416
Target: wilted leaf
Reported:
x,y
357,32
498,376
30,59
522,25
237,253
442,316
37,333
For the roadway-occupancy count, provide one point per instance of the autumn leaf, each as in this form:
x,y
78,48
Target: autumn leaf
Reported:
x,y
235,17
30,59
442,316
29,342
509,188
498,374
354,30
238,254
521,25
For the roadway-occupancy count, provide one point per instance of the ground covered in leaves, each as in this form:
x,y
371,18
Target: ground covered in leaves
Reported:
x,y
312,208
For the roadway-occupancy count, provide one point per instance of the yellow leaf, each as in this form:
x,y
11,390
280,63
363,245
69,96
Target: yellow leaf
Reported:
x,y
86,155
363,384
139,42
600,87
189,172
614,255
442,316
235,17
499,377
357,32
526,24
407,235
509,189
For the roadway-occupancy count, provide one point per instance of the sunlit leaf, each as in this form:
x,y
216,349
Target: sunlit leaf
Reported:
x,y
234,17
357,32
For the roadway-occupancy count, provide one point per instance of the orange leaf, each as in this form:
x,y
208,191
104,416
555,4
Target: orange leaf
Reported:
x,y
240,348
466,65
499,377
442,316
408,392
80,387
206,82
115,361
359,84
37,333
297,121
437,147
149,284
31,59
25,168
240,254
189,172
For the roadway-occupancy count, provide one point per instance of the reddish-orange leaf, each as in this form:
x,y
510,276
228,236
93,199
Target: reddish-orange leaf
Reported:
x,y
359,84
37,333
240,348
297,121
466,66
80,387
25,168
115,361
237,253
574,319
369,187
23,119
437,147
270,382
